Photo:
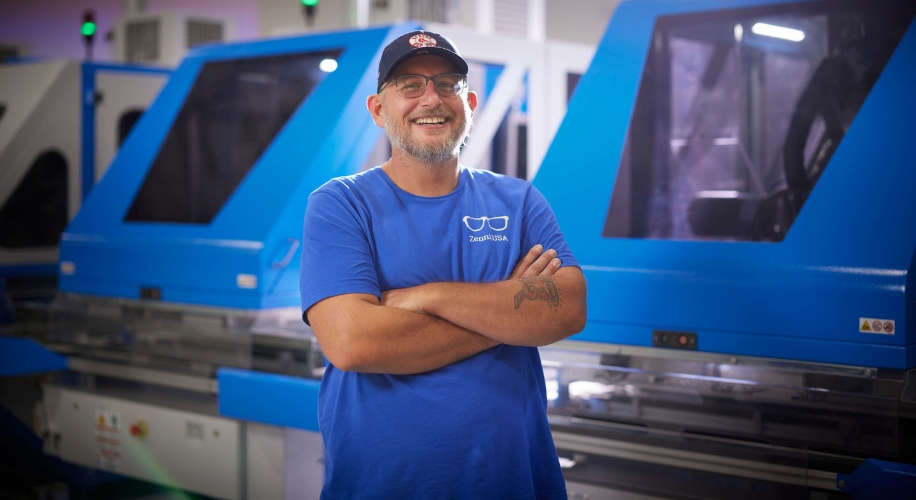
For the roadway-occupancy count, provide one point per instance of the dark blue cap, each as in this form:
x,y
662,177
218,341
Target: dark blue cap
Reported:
x,y
417,43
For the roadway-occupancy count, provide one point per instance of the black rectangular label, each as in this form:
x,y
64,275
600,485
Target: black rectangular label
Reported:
x,y
674,340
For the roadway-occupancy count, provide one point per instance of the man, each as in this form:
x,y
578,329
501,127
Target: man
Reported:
x,y
417,283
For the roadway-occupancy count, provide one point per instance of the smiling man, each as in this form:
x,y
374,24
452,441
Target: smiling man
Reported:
x,y
429,286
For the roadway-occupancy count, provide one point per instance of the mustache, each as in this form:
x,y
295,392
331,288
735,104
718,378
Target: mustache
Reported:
x,y
432,113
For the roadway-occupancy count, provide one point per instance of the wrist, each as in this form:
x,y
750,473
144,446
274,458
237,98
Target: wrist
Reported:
x,y
429,298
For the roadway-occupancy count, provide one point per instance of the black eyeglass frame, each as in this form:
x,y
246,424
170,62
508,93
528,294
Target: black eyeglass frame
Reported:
x,y
427,79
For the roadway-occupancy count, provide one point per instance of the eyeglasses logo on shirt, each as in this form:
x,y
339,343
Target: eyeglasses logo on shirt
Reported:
x,y
476,224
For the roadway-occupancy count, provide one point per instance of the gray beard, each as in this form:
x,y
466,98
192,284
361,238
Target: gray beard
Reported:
x,y
434,153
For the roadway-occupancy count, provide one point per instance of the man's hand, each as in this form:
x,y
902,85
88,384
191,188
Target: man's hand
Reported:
x,y
536,262
408,299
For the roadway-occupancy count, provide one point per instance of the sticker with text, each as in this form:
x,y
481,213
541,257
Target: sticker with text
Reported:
x,y
107,440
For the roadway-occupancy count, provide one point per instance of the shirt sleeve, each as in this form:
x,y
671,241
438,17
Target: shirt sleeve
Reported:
x,y
541,227
337,256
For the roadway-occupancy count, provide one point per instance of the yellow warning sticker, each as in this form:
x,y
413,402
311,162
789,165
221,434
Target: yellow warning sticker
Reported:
x,y
877,325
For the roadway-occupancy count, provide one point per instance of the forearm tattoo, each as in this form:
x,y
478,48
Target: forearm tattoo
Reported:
x,y
539,288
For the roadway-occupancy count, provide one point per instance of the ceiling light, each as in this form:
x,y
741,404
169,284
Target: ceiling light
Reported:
x,y
778,32
327,65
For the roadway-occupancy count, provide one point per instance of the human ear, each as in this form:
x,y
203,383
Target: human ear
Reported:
x,y
374,103
472,100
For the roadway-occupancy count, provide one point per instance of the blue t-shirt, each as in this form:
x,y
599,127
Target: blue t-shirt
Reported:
x,y
474,429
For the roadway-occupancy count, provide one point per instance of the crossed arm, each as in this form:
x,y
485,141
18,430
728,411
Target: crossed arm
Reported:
x,y
422,328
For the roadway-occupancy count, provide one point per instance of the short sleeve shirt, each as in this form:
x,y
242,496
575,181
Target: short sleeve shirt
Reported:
x,y
474,429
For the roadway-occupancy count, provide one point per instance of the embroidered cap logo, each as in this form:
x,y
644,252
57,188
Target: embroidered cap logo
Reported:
x,y
495,223
422,40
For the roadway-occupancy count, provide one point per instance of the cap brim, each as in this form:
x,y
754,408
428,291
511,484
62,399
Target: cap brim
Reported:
x,y
460,64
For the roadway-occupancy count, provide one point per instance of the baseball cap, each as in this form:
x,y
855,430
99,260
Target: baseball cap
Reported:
x,y
416,43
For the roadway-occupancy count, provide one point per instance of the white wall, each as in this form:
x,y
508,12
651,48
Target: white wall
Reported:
x,y
580,21
287,17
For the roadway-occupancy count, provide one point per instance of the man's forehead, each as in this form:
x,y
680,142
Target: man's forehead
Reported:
x,y
427,64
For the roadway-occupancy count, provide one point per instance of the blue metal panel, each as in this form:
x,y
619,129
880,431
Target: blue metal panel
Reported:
x,y
268,398
21,356
849,254
330,134
878,480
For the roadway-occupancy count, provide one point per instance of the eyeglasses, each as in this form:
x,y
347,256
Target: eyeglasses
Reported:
x,y
413,86
496,223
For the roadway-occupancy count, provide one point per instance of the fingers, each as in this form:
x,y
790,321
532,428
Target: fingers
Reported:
x,y
525,262
551,268
543,265
536,262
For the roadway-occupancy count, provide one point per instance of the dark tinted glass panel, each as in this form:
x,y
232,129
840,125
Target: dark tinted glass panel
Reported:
x,y
126,123
231,115
36,212
739,112
572,81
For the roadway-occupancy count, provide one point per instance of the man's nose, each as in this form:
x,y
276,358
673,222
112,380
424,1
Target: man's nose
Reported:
x,y
430,96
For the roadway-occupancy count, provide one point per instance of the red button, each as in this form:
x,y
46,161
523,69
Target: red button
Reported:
x,y
139,429
682,340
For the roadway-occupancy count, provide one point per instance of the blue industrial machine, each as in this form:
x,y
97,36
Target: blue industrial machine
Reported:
x,y
736,178
270,115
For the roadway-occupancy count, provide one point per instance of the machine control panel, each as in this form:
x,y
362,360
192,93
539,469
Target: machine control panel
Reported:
x,y
675,340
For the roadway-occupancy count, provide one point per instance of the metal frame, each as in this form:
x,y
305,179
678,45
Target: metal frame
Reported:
x,y
798,476
542,65
87,110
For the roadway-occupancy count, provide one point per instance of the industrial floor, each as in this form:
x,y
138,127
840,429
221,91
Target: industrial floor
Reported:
x,y
19,488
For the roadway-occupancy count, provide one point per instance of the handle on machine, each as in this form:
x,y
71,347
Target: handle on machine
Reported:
x,y
293,246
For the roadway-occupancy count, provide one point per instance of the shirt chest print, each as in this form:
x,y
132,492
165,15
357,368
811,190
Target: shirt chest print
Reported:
x,y
486,228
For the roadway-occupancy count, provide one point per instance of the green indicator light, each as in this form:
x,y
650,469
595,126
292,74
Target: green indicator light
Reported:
x,y
310,3
88,29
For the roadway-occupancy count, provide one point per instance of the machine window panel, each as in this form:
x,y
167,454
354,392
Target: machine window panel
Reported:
x,y
739,112
232,113
35,214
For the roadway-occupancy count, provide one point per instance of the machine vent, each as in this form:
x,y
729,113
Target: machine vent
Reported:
x,y
143,41
510,17
199,32
430,10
